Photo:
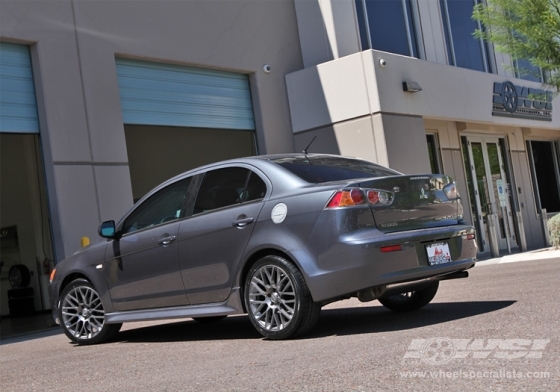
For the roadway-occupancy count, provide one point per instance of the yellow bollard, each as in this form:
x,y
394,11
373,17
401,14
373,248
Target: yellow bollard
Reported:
x,y
85,241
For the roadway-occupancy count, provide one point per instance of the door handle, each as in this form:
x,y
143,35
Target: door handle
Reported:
x,y
167,240
242,222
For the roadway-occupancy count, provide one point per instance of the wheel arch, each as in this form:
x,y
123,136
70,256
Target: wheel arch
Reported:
x,y
70,278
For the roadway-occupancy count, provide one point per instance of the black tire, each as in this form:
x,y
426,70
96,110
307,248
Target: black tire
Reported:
x,y
412,300
19,276
277,299
208,320
82,316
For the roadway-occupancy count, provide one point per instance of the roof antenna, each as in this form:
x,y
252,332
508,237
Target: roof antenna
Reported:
x,y
309,145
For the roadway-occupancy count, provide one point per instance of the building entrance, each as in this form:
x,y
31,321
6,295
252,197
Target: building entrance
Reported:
x,y
489,193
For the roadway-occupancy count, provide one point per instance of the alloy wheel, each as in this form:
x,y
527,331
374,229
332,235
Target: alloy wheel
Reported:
x,y
272,298
83,315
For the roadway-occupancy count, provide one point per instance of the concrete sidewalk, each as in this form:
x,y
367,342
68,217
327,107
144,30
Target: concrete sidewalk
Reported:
x,y
538,254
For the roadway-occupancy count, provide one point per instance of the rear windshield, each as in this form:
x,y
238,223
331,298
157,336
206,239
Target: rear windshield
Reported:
x,y
318,169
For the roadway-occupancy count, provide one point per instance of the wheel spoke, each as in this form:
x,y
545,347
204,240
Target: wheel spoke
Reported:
x,y
287,315
258,288
277,322
73,299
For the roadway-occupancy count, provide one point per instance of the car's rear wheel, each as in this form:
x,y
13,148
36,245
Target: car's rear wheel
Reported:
x,y
82,316
411,300
277,299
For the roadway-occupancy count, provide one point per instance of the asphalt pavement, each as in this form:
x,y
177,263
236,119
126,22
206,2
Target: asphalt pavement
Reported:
x,y
497,330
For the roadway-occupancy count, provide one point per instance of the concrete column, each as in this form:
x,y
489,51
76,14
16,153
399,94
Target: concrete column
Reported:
x,y
328,30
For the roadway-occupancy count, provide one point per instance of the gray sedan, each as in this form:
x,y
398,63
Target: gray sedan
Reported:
x,y
276,237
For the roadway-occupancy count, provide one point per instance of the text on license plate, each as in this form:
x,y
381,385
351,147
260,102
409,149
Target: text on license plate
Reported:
x,y
438,253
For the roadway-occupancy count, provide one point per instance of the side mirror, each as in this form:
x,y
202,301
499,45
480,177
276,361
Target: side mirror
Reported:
x,y
107,229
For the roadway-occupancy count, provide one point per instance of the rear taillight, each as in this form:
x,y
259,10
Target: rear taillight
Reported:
x,y
346,198
451,191
359,197
379,197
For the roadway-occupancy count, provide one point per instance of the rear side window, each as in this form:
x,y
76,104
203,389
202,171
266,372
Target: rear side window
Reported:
x,y
256,188
319,169
226,187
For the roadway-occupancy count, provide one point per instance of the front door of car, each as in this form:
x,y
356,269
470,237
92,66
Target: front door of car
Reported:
x,y
141,267
213,239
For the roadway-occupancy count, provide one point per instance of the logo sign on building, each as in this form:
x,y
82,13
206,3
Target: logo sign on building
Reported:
x,y
521,102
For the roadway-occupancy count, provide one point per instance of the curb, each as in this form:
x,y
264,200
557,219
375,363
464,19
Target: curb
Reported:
x,y
535,255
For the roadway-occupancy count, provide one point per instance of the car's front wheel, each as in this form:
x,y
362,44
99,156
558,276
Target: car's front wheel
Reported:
x,y
82,316
411,300
277,299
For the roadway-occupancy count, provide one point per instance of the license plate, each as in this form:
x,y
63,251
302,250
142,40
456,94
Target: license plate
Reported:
x,y
438,253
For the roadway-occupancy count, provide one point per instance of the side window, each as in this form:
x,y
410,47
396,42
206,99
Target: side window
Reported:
x,y
463,49
387,25
164,206
225,187
221,188
256,188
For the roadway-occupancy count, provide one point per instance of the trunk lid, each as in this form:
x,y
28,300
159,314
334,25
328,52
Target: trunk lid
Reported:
x,y
419,201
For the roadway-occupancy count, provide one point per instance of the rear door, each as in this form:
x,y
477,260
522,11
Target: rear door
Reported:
x,y
213,239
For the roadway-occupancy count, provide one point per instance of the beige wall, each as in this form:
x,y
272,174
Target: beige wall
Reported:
x,y
73,48
328,29
358,85
407,149
361,138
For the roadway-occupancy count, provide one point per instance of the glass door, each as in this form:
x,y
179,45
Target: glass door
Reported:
x,y
489,192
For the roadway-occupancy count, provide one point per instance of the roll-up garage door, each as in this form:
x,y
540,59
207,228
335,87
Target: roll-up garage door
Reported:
x,y
163,94
18,108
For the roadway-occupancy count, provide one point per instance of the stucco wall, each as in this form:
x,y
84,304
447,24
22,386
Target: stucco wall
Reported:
x,y
357,85
73,47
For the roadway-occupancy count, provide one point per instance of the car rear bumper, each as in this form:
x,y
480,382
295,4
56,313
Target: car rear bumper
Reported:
x,y
356,262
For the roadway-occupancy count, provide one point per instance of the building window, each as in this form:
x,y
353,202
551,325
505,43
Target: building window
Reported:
x,y
387,25
433,153
544,159
527,71
464,50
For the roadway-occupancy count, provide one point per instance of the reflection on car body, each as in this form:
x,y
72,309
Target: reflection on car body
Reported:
x,y
276,237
